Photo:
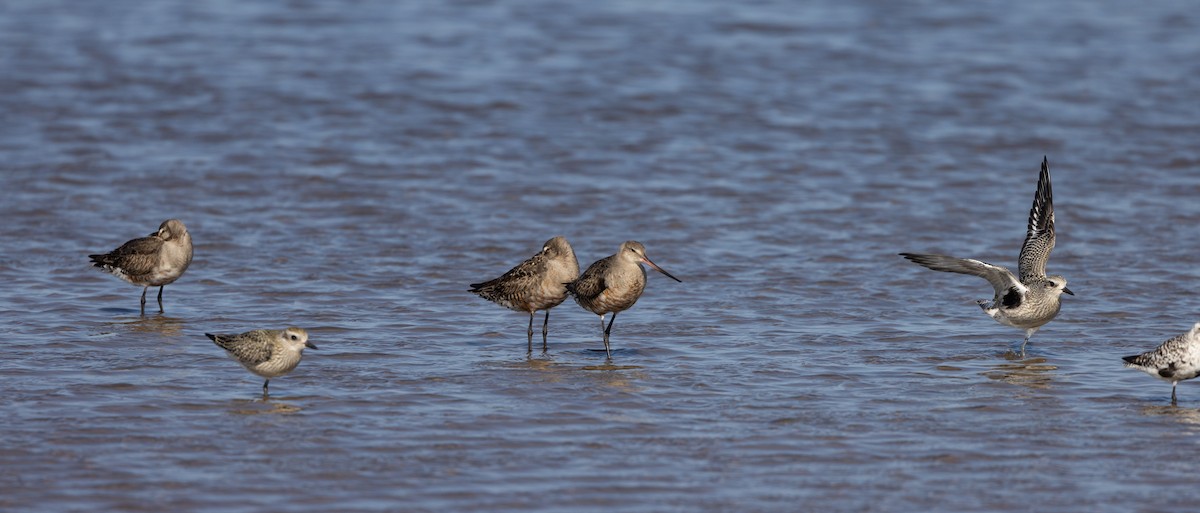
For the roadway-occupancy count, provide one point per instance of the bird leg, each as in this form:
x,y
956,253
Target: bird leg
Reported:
x,y
160,288
608,330
265,383
1023,346
545,331
1173,392
529,347
144,289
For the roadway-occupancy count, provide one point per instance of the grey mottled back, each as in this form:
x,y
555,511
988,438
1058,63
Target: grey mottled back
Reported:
x,y
250,348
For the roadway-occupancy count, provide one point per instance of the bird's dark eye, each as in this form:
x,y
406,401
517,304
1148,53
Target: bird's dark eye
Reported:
x,y
1051,284
294,338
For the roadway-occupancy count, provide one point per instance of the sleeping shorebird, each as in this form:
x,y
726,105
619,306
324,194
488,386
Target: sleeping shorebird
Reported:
x,y
1175,360
152,261
538,283
267,353
1033,300
613,284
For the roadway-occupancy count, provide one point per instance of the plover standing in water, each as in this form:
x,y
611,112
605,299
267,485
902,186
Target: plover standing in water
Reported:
x,y
1033,299
1175,360
152,261
538,283
267,353
613,284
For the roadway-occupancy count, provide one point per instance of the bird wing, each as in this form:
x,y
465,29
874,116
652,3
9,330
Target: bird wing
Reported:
x,y
591,283
1170,354
250,348
1039,240
1001,279
135,257
513,281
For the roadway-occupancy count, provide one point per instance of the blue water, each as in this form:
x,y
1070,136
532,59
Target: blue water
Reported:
x,y
349,167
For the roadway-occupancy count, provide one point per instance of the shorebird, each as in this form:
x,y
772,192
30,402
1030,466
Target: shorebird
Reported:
x,y
538,283
1175,360
1034,299
267,353
152,261
613,284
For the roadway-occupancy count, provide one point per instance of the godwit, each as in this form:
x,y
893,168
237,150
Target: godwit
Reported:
x,y
1034,299
152,261
267,353
535,284
613,284
1175,360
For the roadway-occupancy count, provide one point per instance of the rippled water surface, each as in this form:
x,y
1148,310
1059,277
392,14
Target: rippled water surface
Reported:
x,y
351,166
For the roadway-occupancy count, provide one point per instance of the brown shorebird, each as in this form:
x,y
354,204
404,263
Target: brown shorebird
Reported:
x,y
267,353
152,261
1175,360
613,284
1026,302
535,284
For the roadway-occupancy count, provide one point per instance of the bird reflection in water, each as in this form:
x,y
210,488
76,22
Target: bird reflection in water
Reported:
x,y
1187,416
1029,372
262,406
161,324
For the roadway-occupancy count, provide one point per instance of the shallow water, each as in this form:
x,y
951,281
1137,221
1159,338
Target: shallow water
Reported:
x,y
351,166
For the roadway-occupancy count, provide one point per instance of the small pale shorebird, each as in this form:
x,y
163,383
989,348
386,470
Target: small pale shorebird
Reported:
x,y
1034,299
267,353
1176,360
613,284
152,261
538,283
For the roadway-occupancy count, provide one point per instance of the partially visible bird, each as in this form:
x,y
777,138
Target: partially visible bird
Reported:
x,y
152,261
267,353
1175,360
1034,299
538,283
613,284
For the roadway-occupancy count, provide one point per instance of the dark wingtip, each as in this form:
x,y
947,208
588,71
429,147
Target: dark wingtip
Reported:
x,y
211,336
1130,359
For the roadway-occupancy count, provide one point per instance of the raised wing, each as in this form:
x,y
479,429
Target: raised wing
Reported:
x,y
1001,279
1039,240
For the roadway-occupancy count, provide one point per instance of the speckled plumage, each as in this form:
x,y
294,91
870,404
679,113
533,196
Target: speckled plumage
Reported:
x,y
613,284
267,353
152,261
1175,360
538,283
1033,299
